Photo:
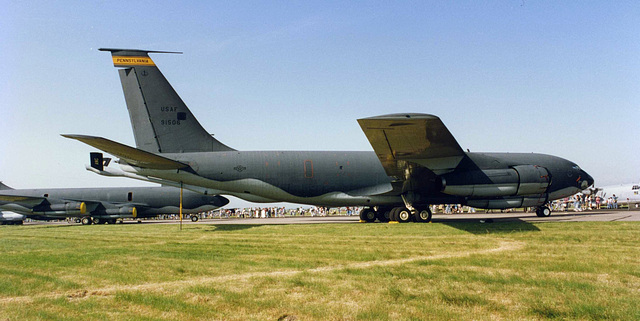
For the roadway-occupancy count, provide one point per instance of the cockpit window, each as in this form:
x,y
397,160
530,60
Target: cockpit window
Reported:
x,y
576,167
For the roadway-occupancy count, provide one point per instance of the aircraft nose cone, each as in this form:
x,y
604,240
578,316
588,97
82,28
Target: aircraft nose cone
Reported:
x,y
587,180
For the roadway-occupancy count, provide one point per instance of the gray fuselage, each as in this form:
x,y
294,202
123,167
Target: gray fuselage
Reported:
x,y
339,178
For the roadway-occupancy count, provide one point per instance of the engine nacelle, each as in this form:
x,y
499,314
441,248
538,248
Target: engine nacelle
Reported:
x,y
516,181
122,212
509,202
66,209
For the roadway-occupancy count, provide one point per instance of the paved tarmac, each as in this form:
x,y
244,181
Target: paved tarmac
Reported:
x,y
604,216
480,217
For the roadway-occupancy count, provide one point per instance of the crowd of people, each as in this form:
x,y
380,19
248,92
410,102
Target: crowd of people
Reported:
x,y
578,202
581,202
269,212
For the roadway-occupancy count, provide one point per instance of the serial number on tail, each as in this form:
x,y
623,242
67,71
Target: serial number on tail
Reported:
x,y
169,122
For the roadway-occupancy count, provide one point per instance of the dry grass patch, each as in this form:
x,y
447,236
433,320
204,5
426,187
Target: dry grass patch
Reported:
x,y
322,272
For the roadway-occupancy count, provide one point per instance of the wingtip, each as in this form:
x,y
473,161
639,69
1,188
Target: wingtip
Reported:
x,y
403,116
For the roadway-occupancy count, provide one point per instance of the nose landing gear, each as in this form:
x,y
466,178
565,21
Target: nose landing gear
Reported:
x,y
543,211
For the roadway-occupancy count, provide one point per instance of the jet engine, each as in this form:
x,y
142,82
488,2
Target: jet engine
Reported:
x,y
125,211
66,209
515,181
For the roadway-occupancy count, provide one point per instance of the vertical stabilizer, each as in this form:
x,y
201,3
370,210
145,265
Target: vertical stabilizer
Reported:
x,y
161,121
2,186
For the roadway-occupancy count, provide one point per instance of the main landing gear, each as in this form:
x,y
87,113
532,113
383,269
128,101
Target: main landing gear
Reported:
x,y
87,220
398,214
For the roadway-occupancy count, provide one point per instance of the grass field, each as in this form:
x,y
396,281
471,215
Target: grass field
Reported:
x,y
508,271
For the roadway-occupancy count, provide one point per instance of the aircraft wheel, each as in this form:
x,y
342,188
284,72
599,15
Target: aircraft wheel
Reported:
x,y
393,214
543,211
423,215
86,221
383,214
111,221
368,215
19,222
194,218
404,215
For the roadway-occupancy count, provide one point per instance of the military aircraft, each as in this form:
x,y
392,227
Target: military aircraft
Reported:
x,y
625,193
416,161
102,205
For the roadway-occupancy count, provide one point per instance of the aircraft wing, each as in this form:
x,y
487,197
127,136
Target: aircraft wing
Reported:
x,y
28,201
422,139
132,156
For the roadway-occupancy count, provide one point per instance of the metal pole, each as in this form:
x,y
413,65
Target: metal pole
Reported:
x,y
180,206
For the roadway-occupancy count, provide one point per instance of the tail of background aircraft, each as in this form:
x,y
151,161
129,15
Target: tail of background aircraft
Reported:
x,y
161,121
2,186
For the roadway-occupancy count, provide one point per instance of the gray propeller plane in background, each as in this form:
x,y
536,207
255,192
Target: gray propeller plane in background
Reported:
x,y
100,205
416,161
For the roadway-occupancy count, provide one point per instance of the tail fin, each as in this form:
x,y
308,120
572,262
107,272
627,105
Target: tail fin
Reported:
x,y
161,121
2,186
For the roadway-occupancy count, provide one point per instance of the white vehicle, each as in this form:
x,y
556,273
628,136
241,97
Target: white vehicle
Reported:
x,y
9,218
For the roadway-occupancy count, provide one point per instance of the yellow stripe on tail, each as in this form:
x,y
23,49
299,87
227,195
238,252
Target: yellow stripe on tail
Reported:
x,y
129,61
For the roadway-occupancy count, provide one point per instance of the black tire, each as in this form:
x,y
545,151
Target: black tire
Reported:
x,y
393,214
111,221
383,214
423,215
368,215
543,211
194,218
86,221
404,215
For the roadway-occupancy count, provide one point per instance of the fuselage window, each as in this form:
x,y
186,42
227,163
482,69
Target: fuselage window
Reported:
x,y
308,169
130,196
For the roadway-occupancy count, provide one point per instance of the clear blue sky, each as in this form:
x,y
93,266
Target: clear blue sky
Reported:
x,y
551,77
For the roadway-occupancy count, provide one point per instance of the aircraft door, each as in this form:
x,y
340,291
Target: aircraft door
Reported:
x,y
308,168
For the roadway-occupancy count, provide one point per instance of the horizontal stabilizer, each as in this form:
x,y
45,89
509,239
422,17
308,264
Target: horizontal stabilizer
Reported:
x,y
132,156
133,57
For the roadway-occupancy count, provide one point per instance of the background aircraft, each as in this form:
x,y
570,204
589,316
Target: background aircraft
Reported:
x,y
416,161
102,205
626,193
